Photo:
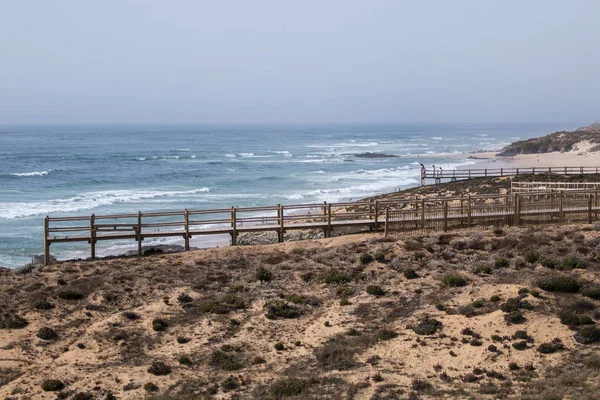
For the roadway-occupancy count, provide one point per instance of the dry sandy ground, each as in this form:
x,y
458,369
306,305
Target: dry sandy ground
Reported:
x,y
313,320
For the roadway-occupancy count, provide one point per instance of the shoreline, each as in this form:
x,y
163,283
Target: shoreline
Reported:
x,y
487,159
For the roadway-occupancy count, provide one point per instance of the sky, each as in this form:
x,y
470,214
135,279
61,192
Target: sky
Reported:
x,y
309,61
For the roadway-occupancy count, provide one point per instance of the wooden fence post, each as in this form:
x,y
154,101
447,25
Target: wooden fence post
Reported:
x,y
92,238
445,215
387,221
469,211
281,223
328,220
589,208
139,233
423,213
233,226
581,170
561,216
376,216
46,241
186,221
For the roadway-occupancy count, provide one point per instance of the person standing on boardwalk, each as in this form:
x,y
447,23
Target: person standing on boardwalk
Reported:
x,y
434,171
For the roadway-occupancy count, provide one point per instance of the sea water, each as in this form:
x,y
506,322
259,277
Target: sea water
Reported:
x,y
80,170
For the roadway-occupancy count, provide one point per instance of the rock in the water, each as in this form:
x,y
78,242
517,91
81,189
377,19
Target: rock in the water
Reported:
x,y
374,155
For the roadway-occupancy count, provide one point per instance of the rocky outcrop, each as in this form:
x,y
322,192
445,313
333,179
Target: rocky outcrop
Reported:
x,y
374,155
562,141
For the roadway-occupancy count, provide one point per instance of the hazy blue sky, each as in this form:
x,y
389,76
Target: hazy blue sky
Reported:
x,y
181,61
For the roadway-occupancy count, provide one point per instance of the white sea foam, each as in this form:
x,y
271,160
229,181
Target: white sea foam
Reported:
x,y
86,201
283,152
229,155
34,173
437,138
142,159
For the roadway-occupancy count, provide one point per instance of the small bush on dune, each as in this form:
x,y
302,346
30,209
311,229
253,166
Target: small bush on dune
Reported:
x,y
366,258
70,294
334,276
375,290
427,326
46,333
264,275
287,387
43,305
386,334
52,385
559,283
501,263
159,368
410,273
514,317
130,315
514,304
483,269
573,320
280,309
229,384
587,335
593,292
454,280
532,256
551,347
12,321
159,324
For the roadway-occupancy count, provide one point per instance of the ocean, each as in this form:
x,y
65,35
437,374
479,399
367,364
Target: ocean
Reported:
x,y
80,170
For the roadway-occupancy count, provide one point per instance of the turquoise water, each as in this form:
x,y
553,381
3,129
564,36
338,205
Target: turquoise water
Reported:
x,y
80,170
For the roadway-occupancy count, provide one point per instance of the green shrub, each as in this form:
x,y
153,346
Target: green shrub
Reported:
x,y
46,333
495,298
514,304
52,385
334,276
264,275
551,347
366,258
483,269
379,256
521,335
280,309
420,385
12,321
478,303
559,283
428,326
344,302
535,293
532,256
593,292
184,360
225,360
410,273
287,387
454,280
385,334
130,315
551,263
513,366
279,346
159,324
572,263
523,290
514,317
150,387
184,298
521,345
159,368
229,384
43,305
587,335
223,305
375,290
572,320
70,294
182,340
501,263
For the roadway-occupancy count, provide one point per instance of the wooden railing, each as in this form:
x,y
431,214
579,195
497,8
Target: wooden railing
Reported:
x,y
189,223
439,174
408,216
525,187
443,214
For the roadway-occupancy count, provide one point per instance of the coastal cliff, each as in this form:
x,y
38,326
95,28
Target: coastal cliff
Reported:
x,y
584,139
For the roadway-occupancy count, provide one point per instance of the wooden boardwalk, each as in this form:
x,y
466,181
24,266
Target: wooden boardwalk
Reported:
x,y
394,216
440,174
